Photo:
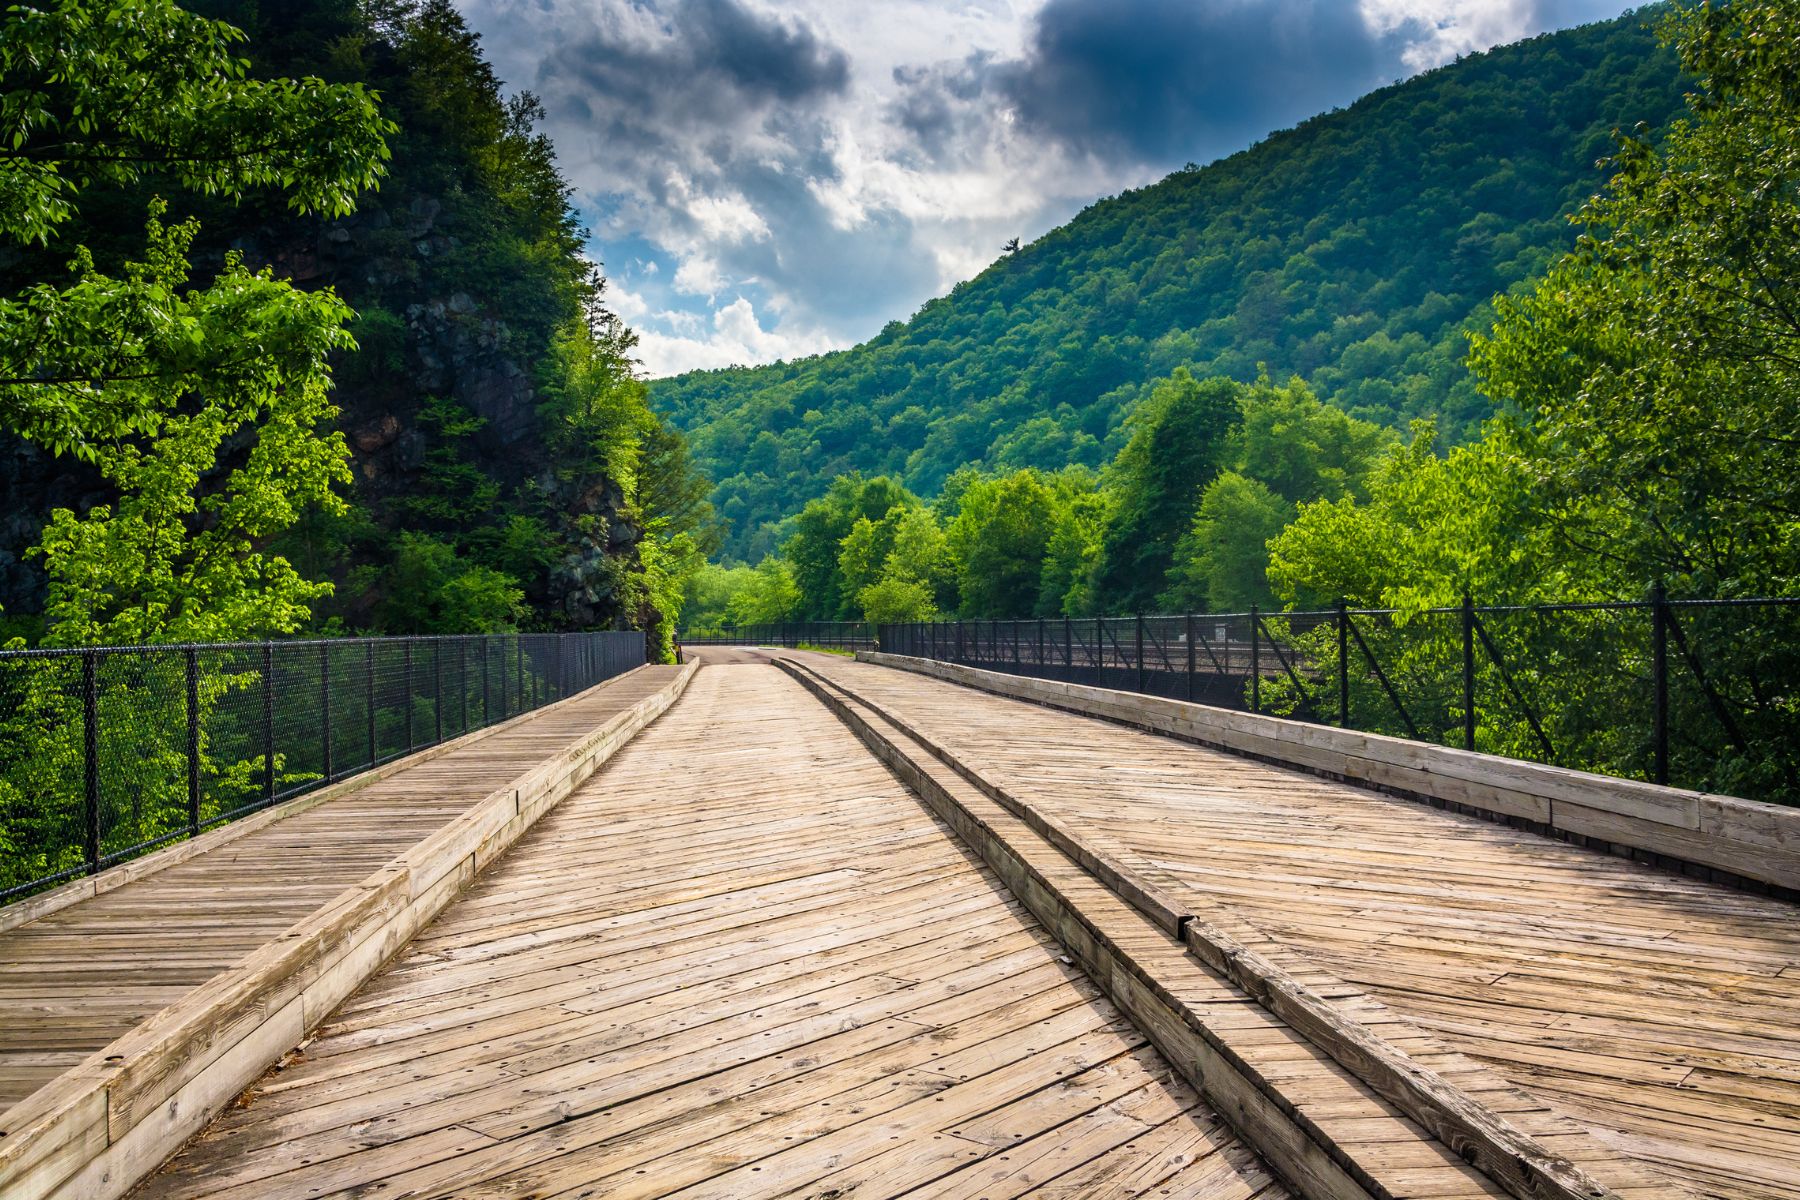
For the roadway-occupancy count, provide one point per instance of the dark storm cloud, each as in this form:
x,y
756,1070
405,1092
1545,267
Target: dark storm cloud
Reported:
x,y
1158,80
736,159
710,53
703,65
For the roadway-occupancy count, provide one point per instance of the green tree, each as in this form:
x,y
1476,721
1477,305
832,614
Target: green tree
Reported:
x,y
1177,444
1289,449
812,550
104,93
1073,553
429,588
894,599
1300,448
772,595
164,387
1221,563
710,590
1656,369
998,540
863,552
921,554
202,408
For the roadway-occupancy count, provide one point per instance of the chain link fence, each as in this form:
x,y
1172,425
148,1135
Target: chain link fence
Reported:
x,y
1703,694
107,752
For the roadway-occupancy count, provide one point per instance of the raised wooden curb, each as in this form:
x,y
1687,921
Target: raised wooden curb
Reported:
x,y
23,912
1474,1132
95,1131
1746,840
1288,1142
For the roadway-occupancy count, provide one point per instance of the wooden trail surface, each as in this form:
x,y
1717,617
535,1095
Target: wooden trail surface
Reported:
x,y
1661,1013
740,960
74,980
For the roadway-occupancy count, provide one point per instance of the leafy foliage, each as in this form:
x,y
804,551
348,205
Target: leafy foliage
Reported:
x,y
503,450
1178,442
1354,251
1651,379
100,93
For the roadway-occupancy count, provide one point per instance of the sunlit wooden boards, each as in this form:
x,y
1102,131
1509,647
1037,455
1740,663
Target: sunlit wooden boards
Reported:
x,y
75,979
1661,1012
1741,839
98,1127
742,960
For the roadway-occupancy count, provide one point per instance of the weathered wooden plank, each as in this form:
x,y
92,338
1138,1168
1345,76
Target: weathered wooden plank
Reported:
x,y
1756,841
165,1079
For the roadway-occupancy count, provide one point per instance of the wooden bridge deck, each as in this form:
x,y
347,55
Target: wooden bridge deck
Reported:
x,y
742,960
72,981
745,959
1661,1012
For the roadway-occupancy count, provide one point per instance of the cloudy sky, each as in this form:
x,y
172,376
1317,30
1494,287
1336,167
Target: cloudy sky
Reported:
x,y
771,178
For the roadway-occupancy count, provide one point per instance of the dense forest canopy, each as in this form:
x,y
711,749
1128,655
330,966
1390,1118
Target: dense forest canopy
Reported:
x,y
1355,251
1644,396
475,452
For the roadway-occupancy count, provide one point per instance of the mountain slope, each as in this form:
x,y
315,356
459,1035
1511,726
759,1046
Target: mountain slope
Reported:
x,y
1354,250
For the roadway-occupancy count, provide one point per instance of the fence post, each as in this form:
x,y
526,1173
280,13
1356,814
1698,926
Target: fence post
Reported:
x,y
1138,650
1468,669
1255,658
1343,640
485,686
1015,641
959,640
1040,646
90,743
268,721
325,712
1659,668
193,741
437,689
1099,651
1188,633
369,688
519,656
462,683
406,661
1069,644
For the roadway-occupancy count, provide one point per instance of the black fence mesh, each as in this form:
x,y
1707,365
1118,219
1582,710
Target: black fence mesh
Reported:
x,y
107,752
1697,693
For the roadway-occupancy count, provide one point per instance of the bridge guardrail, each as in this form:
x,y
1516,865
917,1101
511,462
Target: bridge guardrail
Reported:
x,y
1701,694
107,752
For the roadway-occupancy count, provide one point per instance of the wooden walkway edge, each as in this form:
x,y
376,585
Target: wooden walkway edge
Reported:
x,y
1463,1122
1655,1012
743,962
108,1121
1298,1125
1725,839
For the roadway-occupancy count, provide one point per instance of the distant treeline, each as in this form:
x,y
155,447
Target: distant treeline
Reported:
x,y
1356,251
1648,391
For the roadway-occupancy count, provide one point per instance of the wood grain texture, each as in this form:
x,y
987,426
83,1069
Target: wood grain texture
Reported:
x,y
1751,841
1456,1117
740,961
164,1077
1658,1011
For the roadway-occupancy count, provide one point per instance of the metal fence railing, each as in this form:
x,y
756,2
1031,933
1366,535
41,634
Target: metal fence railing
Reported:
x,y
109,751
1703,694
832,635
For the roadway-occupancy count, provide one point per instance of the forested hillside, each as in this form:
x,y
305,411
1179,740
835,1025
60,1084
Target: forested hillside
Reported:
x,y
1355,251
505,469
